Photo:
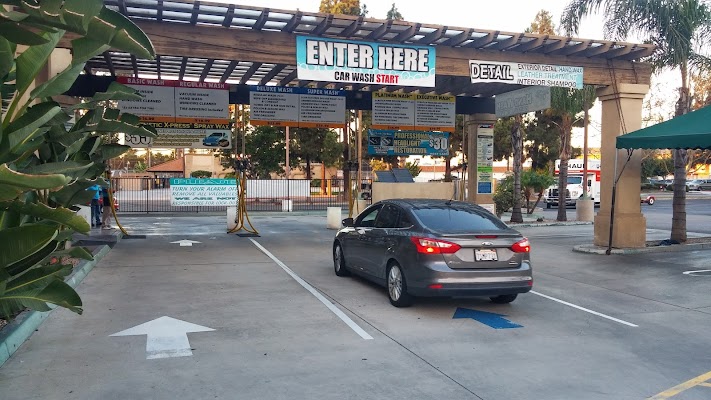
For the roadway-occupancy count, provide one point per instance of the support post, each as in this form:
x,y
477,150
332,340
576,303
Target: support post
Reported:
x,y
480,130
621,113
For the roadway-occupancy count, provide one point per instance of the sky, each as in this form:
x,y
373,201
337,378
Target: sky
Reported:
x,y
502,15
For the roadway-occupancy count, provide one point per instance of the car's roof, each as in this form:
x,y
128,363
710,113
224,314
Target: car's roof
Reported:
x,y
425,203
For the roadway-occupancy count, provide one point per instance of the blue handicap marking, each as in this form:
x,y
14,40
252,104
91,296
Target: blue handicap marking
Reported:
x,y
496,321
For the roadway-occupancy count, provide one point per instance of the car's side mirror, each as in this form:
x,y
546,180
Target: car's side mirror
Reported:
x,y
348,222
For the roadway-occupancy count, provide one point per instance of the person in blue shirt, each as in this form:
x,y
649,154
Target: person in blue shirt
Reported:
x,y
95,206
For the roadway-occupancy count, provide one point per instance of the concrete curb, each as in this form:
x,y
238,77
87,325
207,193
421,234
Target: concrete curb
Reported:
x,y
553,223
592,249
22,327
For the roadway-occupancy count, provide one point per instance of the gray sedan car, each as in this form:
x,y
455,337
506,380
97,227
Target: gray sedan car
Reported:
x,y
424,247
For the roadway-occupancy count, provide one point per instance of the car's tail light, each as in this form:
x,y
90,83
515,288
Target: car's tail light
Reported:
x,y
522,246
434,246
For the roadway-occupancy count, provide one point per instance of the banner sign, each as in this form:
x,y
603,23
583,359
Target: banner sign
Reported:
x,y
297,107
485,159
423,112
523,101
405,143
203,192
185,114
336,60
526,74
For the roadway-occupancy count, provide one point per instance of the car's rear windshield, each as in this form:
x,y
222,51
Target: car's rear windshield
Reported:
x,y
458,219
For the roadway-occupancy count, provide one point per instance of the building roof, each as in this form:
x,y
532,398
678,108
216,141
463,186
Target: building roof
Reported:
x,y
177,165
253,45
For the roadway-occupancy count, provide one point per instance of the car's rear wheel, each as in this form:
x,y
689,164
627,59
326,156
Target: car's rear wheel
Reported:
x,y
339,261
504,298
397,287
650,201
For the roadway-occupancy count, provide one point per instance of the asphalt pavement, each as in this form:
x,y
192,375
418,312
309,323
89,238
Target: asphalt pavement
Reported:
x,y
265,317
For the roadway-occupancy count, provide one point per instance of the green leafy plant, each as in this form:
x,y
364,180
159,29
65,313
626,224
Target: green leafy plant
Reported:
x,y
46,166
534,183
201,174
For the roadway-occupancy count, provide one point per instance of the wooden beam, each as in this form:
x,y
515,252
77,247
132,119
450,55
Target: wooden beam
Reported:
x,y
183,40
109,63
274,72
407,34
618,52
549,48
229,16
287,79
506,43
159,7
531,44
196,12
640,52
134,63
263,18
322,85
183,65
593,51
293,23
206,69
484,40
323,26
352,28
228,72
304,83
458,39
433,36
572,50
249,73
380,31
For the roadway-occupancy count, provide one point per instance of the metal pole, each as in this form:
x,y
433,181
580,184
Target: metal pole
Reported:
x,y
288,168
612,207
359,124
585,153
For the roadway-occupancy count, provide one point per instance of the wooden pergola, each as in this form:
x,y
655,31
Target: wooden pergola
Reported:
x,y
243,46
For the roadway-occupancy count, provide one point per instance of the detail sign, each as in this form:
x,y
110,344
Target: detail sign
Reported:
x,y
185,114
526,74
335,60
405,143
297,107
485,159
203,192
413,111
523,101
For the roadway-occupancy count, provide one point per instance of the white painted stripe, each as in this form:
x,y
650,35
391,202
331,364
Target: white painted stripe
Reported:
x,y
357,329
585,309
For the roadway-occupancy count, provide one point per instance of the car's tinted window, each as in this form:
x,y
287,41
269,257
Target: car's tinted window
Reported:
x,y
388,217
369,218
405,221
458,219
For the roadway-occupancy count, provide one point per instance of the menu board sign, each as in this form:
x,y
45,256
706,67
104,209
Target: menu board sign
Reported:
x,y
413,111
297,107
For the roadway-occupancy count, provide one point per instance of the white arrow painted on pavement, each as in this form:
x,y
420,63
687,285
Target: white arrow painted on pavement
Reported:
x,y
185,242
700,272
166,337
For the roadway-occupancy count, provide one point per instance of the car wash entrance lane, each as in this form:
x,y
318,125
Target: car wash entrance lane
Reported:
x,y
559,351
252,331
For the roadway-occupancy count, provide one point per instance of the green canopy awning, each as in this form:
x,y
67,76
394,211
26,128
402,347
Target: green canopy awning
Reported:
x,y
689,131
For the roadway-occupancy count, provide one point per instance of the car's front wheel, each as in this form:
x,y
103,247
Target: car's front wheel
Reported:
x,y
397,287
339,261
504,298
650,201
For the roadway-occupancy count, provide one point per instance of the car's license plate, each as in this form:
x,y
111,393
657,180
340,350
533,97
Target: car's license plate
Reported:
x,y
485,255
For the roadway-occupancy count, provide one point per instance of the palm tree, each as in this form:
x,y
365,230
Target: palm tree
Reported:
x,y
566,104
677,28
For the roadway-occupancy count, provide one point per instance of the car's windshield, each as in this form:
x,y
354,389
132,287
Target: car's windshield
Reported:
x,y
216,134
458,219
575,180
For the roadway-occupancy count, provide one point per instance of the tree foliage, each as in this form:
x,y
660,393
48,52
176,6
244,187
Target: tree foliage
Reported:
x,y
347,7
46,164
316,145
394,13
542,24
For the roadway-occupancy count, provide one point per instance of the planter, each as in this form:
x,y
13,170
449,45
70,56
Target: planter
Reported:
x,y
585,210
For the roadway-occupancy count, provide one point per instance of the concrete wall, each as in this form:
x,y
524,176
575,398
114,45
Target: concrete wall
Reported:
x,y
204,162
417,190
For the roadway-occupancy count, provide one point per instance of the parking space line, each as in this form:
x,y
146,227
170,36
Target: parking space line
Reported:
x,y
585,309
357,329
700,380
